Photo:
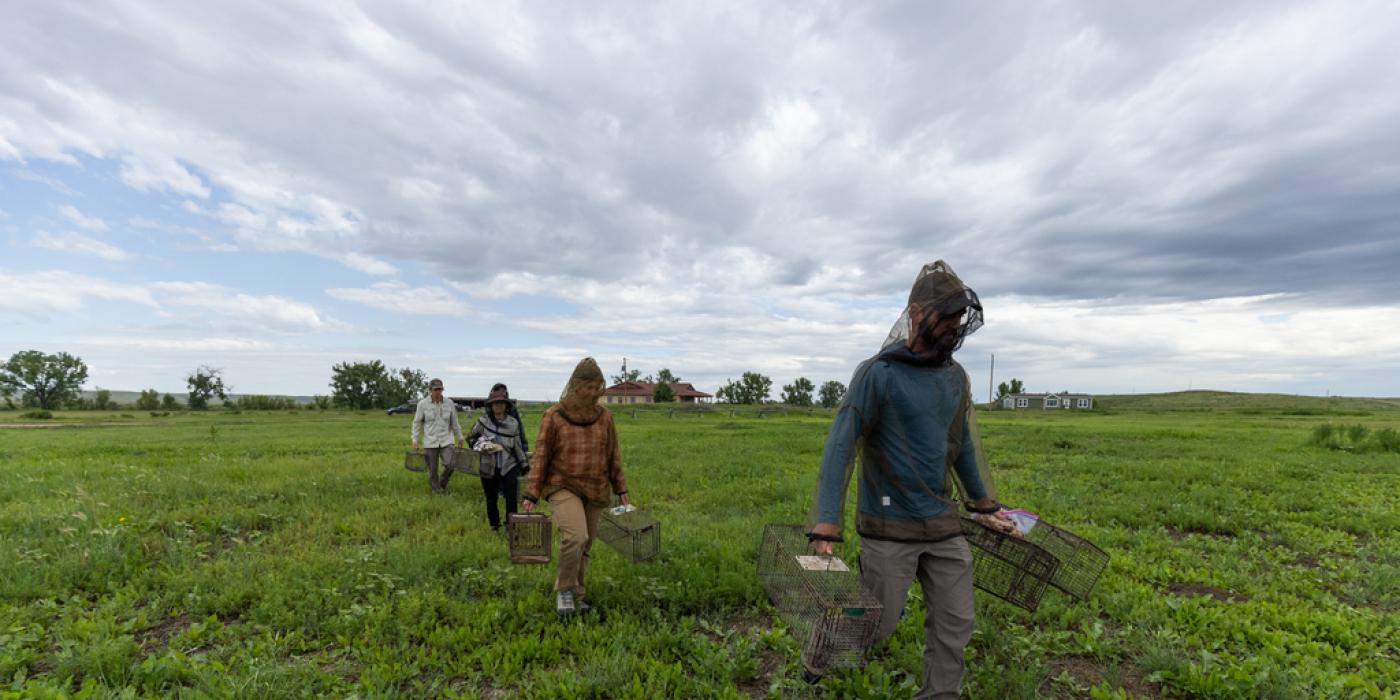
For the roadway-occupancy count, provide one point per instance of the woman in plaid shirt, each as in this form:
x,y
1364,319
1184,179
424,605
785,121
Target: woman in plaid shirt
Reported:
x,y
577,463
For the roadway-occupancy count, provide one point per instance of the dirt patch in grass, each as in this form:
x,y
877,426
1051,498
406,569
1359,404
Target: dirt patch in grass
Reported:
x,y
1085,672
1191,588
158,636
769,661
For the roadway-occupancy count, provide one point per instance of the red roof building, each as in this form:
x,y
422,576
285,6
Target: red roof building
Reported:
x,y
641,392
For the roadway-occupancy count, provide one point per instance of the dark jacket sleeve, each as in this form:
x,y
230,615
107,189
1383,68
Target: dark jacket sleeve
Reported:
x,y
858,411
524,441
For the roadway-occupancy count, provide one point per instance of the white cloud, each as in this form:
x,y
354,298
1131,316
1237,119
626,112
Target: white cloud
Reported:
x,y
367,264
41,294
179,344
401,298
269,312
91,223
162,174
80,244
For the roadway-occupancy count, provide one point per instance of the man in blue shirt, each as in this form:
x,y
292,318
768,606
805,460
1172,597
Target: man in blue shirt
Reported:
x,y
908,416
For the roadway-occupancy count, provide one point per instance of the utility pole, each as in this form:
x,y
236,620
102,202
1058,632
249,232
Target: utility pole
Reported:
x,y
992,377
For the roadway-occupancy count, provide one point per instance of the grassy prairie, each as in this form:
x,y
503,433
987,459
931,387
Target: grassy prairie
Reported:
x,y
288,554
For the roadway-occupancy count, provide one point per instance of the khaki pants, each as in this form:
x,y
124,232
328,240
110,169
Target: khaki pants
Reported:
x,y
944,570
577,521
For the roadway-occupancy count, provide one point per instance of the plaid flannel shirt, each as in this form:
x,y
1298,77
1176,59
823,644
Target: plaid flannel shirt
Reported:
x,y
584,459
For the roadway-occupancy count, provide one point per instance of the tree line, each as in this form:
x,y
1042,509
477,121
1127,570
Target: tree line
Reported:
x,y
51,381
753,388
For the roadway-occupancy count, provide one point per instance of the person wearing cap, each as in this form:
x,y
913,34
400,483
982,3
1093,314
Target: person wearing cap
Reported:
x,y
908,416
435,422
577,463
498,437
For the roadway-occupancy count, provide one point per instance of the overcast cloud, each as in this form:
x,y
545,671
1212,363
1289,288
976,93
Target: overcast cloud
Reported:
x,y
1146,197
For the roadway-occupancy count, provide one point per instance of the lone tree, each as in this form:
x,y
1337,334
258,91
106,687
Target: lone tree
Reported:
x,y
831,393
365,385
1004,389
205,383
149,400
627,375
43,381
663,393
169,403
751,388
356,384
402,386
799,392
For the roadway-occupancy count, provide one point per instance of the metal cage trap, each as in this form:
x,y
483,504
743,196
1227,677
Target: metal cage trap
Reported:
x,y
466,461
819,597
635,533
1081,561
415,461
1007,566
530,537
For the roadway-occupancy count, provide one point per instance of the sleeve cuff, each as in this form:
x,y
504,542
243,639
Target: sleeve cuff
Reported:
x,y
813,537
971,506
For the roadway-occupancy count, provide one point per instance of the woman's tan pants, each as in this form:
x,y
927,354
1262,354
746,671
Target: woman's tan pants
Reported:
x,y
577,521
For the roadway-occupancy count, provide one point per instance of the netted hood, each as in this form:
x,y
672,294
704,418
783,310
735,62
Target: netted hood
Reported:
x,y
938,293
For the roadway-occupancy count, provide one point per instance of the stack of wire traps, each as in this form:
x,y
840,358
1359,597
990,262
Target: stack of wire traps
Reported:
x,y
1081,561
634,534
826,608
1008,566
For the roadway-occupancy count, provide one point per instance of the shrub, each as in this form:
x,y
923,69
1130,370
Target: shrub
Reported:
x,y
1325,435
1388,439
40,413
1357,435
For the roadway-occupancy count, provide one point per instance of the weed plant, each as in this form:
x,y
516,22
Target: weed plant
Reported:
x,y
1355,438
287,555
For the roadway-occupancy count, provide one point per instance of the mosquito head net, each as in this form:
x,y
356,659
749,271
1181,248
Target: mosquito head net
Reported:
x,y
926,326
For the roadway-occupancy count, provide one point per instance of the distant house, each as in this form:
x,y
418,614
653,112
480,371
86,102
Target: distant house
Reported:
x,y
1048,401
641,392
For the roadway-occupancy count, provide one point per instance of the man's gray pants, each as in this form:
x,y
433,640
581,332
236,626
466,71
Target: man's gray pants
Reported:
x,y
944,570
434,455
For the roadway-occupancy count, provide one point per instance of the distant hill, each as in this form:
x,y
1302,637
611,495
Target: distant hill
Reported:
x,y
1205,400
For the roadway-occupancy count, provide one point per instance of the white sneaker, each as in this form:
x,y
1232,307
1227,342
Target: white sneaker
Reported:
x,y
564,603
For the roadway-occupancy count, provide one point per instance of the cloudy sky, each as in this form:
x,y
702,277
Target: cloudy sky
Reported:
x,y
1147,197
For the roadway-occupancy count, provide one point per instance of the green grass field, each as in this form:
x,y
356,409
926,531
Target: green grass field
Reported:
x,y
290,554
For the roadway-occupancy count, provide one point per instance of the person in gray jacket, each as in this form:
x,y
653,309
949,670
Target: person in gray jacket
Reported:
x,y
498,436
435,422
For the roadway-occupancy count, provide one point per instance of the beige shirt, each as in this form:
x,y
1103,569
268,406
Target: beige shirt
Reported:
x,y
437,423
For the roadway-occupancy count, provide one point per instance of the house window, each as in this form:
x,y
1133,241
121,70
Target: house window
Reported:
x,y
1022,403
1084,403
1052,403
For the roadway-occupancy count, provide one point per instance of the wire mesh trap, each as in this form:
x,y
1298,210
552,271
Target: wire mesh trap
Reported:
x,y
466,461
820,598
530,538
634,534
415,461
1009,567
1081,562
